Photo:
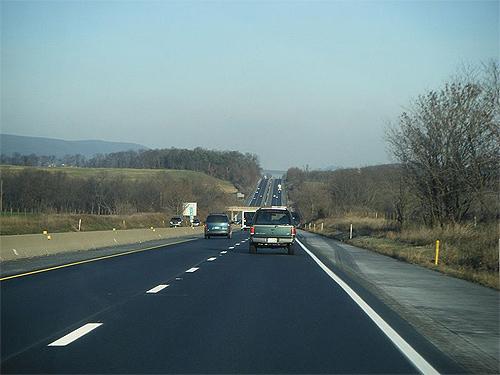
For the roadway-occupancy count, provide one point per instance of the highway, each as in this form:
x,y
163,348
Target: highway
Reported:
x,y
203,306
276,192
259,196
267,193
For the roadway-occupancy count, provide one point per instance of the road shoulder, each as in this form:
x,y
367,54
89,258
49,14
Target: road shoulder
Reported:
x,y
458,317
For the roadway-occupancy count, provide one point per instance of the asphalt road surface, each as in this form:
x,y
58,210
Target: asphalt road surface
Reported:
x,y
267,193
203,306
259,194
276,193
224,310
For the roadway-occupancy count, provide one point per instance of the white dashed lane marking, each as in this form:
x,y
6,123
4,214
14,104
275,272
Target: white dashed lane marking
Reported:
x,y
231,247
223,252
211,259
194,269
75,335
156,289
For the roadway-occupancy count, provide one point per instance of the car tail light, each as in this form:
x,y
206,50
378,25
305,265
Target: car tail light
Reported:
x,y
294,231
252,230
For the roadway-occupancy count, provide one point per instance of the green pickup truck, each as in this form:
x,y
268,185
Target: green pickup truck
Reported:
x,y
272,227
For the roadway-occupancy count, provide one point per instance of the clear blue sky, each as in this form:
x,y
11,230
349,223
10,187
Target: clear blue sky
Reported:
x,y
296,83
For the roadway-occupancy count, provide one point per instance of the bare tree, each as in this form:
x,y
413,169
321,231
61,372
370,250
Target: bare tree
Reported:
x,y
448,145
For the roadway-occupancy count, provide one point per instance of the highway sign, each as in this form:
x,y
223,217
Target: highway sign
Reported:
x,y
189,209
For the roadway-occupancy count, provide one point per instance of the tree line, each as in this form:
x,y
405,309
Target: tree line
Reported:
x,y
320,194
243,170
447,147
38,191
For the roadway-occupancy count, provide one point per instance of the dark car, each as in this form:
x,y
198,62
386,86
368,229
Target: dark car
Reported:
x,y
176,221
217,225
196,222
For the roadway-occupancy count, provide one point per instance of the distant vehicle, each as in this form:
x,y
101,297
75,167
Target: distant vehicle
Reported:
x,y
196,222
247,220
272,227
296,218
217,225
176,221
279,187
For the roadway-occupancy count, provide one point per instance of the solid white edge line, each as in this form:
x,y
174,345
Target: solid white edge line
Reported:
x,y
411,354
157,288
211,259
193,269
75,335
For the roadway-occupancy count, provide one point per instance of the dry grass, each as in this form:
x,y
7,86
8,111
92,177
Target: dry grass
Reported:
x,y
26,224
466,251
131,174
361,225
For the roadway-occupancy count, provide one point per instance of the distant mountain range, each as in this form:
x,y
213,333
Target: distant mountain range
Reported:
x,y
10,144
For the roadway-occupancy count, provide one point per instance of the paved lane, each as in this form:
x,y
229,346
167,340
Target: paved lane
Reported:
x,y
276,193
259,194
36,306
234,312
267,193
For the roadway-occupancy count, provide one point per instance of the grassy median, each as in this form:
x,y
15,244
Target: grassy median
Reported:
x,y
466,251
54,223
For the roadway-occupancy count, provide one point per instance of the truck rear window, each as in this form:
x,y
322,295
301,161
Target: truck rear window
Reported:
x,y
272,218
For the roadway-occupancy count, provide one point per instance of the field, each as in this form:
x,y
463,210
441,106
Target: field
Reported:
x,y
211,194
466,251
128,174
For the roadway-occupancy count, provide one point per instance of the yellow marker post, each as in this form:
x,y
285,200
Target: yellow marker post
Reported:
x,y
436,260
45,232
49,237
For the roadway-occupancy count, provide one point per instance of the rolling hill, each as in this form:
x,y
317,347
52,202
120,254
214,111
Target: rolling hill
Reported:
x,y
128,174
10,144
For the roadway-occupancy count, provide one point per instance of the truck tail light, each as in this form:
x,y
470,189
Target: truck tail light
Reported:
x,y
294,231
252,230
